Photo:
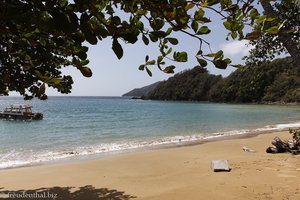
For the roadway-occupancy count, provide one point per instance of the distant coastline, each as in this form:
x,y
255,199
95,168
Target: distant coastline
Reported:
x,y
277,82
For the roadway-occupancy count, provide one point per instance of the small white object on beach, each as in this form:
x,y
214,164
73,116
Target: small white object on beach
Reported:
x,y
220,165
246,149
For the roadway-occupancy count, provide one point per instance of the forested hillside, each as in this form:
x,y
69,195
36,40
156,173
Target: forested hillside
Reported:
x,y
193,84
139,92
277,81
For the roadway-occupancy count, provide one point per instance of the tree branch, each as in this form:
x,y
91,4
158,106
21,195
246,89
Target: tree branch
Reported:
x,y
283,36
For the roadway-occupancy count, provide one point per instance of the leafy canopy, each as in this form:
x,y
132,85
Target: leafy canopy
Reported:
x,y
281,35
40,37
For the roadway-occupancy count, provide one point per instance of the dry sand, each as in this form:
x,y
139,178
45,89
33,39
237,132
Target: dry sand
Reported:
x,y
173,173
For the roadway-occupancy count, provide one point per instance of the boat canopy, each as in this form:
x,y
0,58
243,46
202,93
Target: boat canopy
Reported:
x,y
21,106
18,108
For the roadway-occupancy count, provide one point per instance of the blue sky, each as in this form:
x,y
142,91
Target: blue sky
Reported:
x,y
113,77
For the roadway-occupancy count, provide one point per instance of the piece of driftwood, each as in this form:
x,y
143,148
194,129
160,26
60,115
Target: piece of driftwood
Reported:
x,y
293,145
220,165
280,146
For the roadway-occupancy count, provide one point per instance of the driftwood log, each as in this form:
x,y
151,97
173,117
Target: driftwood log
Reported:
x,y
280,146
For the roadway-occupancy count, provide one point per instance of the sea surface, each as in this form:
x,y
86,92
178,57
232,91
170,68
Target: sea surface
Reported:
x,y
83,127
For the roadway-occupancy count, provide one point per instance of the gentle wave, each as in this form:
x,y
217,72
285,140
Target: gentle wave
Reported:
x,y
18,158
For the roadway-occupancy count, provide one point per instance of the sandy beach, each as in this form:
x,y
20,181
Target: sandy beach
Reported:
x,y
172,173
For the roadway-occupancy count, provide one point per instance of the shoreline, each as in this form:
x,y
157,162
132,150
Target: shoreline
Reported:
x,y
169,173
75,157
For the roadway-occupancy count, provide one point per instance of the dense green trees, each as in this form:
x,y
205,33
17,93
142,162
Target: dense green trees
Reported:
x,y
40,37
192,84
277,81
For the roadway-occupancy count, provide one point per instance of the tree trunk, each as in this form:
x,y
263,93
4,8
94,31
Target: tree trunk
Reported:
x,y
283,36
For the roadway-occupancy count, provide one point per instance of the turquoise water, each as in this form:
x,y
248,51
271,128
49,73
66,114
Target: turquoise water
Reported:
x,y
85,126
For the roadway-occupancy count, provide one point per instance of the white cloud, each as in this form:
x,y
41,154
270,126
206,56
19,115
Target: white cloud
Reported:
x,y
236,48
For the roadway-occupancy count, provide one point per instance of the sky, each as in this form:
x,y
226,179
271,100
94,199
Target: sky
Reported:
x,y
114,77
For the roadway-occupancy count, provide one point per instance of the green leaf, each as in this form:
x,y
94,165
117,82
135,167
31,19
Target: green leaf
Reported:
x,y
159,59
148,71
142,67
153,37
180,56
215,55
173,41
84,49
151,62
84,62
212,55
254,13
241,35
141,12
92,39
54,81
116,20
203,30
203,20
261,19
195,26
169,51
199,14
233,35
157,24
189,6
169,69
273,30
202,62
212,2
219,54
221,64
254,35
140,25
117,48
82,55
100,31
227,60
159,34
145,40
271,18
78,37
227,25
169,31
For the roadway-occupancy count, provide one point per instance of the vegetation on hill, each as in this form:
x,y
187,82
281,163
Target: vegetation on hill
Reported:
x,y
277,81
192,84
139,92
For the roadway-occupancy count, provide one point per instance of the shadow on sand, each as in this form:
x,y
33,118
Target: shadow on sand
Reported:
x,y
87,192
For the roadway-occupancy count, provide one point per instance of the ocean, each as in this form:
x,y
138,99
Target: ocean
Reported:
x,y
87,127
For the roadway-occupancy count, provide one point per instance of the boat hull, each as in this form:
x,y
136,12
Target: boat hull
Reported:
x,y
35,116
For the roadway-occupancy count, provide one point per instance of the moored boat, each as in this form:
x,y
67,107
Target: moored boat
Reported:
x,y
21,111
